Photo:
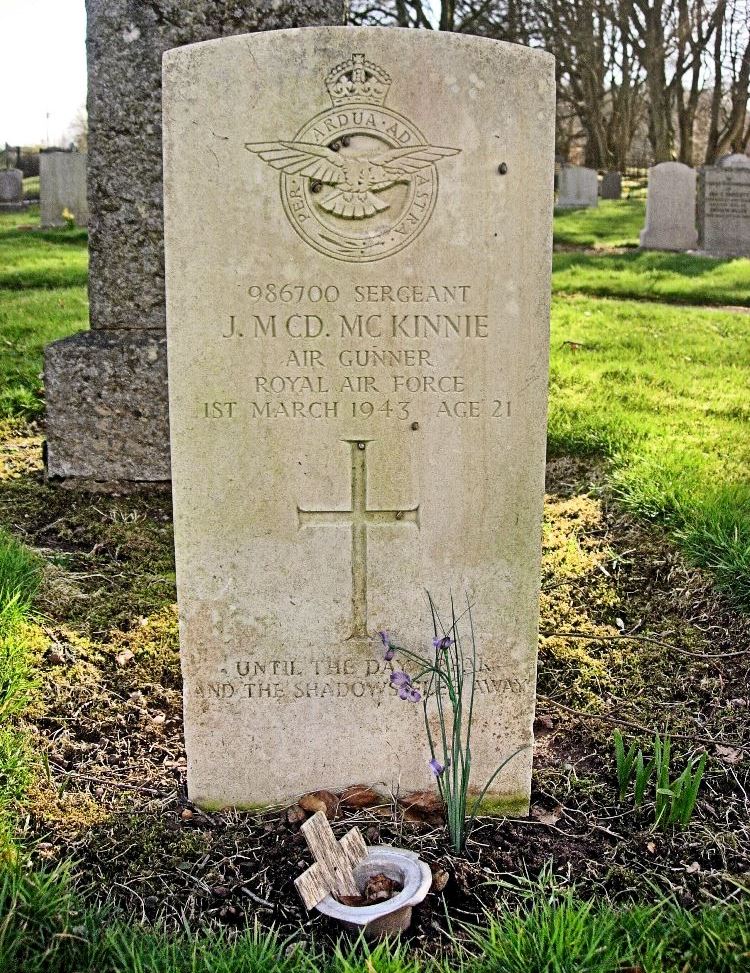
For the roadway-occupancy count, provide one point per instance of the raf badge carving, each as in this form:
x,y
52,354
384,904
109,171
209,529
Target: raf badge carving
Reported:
x,y
359,181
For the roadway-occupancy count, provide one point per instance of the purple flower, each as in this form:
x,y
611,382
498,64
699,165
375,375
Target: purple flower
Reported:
x,y
444,642
436,767
400,679
390,651
410,693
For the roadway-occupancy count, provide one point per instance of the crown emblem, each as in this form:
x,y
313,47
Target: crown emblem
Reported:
x,y
357,81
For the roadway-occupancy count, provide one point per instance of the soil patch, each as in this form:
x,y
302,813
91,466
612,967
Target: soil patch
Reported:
x,y
656,648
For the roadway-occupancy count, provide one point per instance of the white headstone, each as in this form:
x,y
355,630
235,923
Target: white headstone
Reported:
x,y
62,188
578,187
357,303
670,208
724,210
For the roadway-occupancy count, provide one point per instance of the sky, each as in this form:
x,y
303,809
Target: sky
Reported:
x,y
43,69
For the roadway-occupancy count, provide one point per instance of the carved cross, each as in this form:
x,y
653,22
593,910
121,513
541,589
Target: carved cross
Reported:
x,y
360,516
334,861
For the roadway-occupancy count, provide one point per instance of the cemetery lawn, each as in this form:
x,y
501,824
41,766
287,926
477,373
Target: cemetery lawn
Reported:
x,y
104,864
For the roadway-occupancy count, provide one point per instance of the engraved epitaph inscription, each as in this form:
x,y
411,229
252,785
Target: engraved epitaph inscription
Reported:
x,y
358,375
358,181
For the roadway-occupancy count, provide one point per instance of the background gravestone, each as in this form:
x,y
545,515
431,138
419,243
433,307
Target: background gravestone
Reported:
x,y
611,185
724,209
357,394
670,208
738,160
578,187
62,186
106,389
11,189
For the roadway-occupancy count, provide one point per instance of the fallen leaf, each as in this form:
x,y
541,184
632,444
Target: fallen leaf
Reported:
x,y
124,657
543,816
323,801
380,888
440,878
651,846
422,806
729,755
359,795
692,868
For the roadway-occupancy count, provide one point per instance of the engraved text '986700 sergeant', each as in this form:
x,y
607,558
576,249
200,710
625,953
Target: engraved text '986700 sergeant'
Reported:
x,y
358,181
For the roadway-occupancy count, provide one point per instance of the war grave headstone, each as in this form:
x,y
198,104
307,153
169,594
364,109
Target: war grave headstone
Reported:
x,y
11,190
724,208
358,366
611,187
62,188
670,208
578,187
106,388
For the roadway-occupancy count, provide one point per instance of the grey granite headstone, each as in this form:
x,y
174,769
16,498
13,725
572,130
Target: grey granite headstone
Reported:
x,y
611,185
578,187
106,390
62,188
11,189
670,208
724,210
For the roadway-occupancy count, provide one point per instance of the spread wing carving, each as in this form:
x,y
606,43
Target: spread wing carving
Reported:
x,y
302,159
355,178
389,167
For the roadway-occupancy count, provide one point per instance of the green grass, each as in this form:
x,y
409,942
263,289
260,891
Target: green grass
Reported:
x,y
44,929
20,575
29,320
31,187
675,278
42,258
42,298
663,392
613,223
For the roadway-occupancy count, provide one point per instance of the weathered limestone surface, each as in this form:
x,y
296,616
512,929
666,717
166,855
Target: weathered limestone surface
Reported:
x,y
62,186
578,187
358,375
125,43
724,210
670,208
611,185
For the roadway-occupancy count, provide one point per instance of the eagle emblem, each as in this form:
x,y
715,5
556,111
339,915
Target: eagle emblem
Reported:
x,y
359,181
355,179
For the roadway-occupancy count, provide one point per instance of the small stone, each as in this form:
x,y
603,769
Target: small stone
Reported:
x,y
186,814
296,814
55,657
124,657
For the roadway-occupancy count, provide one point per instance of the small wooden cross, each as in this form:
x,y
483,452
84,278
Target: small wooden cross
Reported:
x,y
334,861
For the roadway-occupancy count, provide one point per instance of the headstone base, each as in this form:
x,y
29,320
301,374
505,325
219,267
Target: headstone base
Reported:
x,y
107,413
669,238
14,207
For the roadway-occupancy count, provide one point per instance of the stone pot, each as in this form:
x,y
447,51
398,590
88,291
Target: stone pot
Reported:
x,y
394,915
